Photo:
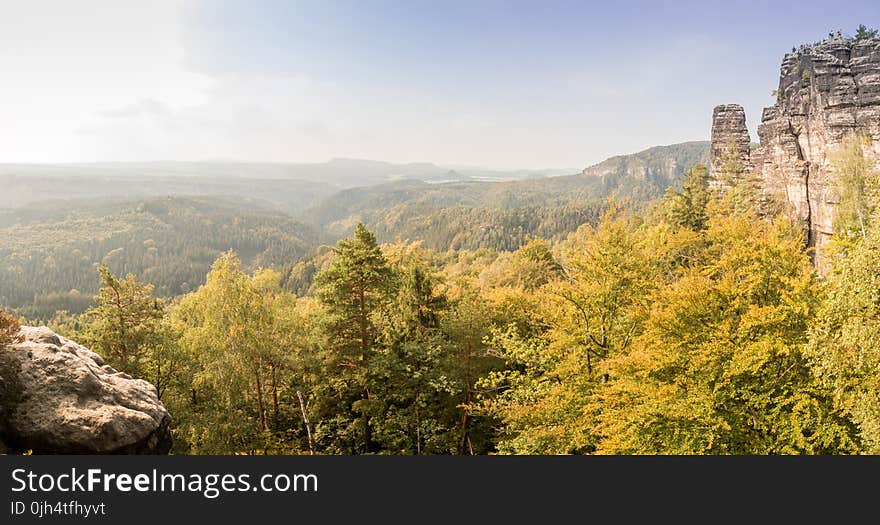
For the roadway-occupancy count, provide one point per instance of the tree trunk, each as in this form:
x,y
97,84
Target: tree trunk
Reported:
x,y
418,432
464,419
260,405
305,414
364,343
274,397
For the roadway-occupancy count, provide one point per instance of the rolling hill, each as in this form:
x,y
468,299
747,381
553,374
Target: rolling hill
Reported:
x,y
50,263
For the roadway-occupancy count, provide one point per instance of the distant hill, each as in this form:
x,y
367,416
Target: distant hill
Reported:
x,y
287,187
49,262
502,215
58,223
30,185
658,162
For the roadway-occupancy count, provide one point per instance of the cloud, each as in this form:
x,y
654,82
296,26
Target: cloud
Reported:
x,y
66,64
147,107
109,80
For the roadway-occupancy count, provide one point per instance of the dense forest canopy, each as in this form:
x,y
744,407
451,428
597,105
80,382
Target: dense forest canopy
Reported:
x,y
52,249
691,324
49,263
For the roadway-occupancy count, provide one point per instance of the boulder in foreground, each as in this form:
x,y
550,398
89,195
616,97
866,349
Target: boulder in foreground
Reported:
x,y
58,397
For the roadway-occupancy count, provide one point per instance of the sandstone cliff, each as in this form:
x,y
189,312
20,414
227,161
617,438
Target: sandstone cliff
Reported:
x,y
58,397
827,91
663,163
730,138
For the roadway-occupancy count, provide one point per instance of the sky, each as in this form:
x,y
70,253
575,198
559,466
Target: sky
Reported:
x,y
499,84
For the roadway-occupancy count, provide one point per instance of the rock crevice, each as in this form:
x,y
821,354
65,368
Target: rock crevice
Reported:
x,y
827,92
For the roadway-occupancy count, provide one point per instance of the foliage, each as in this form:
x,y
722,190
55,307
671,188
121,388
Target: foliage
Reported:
x,y
228,333
857,187
743,186
698,327
718,367
590,314
125,325
863,33
845,340
687,208
46,266
9,327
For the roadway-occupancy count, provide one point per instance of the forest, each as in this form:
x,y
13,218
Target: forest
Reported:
x,y
693,323
49,261
51,249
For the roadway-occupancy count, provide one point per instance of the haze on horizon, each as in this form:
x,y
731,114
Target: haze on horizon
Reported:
x,y
504,85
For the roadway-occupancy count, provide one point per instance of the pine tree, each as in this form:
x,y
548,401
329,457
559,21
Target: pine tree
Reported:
x,y
742,187
863,32
125,325
352,289
409,386
687,208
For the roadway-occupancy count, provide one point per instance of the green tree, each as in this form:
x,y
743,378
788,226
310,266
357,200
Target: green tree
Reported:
x,y
742,186
409,388
466,325
125,326
687,208
356,284
864,32
856,185
226,331
845,338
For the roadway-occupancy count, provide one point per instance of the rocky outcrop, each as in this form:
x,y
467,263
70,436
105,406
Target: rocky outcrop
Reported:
x,y
827,92
661,163
730,140
59,397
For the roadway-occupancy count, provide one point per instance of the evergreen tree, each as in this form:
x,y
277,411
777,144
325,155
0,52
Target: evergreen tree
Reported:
x,y
742,186
410,388
687,208
352,289
125,326
466,326
863,33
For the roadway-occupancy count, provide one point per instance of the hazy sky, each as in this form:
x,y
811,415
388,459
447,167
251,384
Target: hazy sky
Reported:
x,y
499,84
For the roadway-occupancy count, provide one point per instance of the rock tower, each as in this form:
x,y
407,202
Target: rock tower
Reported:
x,y
730,140
827,92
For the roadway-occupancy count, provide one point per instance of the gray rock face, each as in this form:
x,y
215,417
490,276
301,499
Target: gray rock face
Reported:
x,y
729,136
827,92
59,397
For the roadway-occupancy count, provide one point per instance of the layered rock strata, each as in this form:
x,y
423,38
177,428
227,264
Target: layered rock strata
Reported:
x,y
827,92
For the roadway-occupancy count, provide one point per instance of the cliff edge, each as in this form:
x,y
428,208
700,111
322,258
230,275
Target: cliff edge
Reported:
x,y
827,92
